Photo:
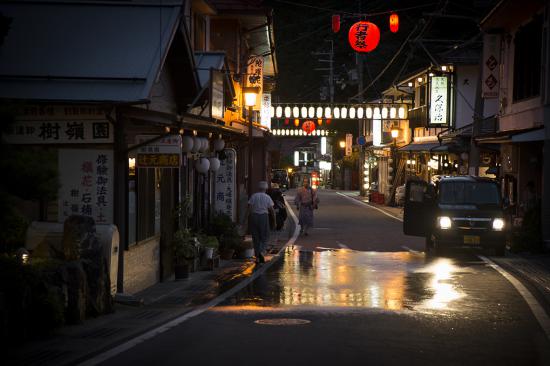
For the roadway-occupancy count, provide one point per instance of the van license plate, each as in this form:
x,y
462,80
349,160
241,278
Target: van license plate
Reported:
x,y
471,239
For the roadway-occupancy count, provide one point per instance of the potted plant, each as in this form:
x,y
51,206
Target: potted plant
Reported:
x,y
185,250
227,233
209,243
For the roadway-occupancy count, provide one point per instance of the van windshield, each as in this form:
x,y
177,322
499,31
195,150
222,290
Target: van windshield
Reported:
x,y
478,193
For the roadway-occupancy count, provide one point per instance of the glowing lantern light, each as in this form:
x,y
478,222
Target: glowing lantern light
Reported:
x,y
336,111
279,111
352,112
364,36
287,112
360,112
304,112
319,112
296,122
295,112
311,112
320,121
394,23
336,23
328,113
287,121
328,121
308,127
344,112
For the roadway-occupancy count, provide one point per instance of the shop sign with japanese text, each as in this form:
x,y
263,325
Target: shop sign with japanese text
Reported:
x,y
86,179
349,144
216,94
439,93
162,153
265,112
59,132
491,56
255,76
225,185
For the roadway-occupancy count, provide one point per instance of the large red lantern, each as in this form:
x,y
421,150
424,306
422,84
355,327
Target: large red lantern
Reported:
x,y
336,23
364,36
308,127
394,23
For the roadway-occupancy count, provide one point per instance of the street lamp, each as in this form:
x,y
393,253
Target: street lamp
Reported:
x,y
342,144
250,95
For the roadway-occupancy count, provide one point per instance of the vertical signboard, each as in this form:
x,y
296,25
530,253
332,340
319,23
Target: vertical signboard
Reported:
x,y
265,113
439,101
491,53
349,143
225,198
377,131
255,76
86,179
216,94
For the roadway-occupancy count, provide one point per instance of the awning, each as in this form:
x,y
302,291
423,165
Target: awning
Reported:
x,y
427,147
525,135
536,135
206,61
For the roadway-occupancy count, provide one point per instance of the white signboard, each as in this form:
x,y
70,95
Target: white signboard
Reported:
x,y
225,200
255,76
349,143
491,53
86,178
59,132
216,95
377,132
265,113
165,152
439,100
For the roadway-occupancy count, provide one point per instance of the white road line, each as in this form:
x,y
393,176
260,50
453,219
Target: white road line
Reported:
x,y
411,250
343,246
361,203
201,309
534,305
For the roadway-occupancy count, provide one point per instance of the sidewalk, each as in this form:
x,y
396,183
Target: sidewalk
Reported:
x,y
161,303
532,270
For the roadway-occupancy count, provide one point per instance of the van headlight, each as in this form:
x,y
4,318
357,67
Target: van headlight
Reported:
x,y
444,222
498,224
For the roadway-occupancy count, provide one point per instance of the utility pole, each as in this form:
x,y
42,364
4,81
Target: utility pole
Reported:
x,y
330,67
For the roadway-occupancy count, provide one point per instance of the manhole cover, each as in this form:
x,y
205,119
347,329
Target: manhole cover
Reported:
x,y
282,321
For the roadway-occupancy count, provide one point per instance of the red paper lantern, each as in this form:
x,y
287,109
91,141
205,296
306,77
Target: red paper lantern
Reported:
x,y
296,122
320,121
364,36
287,121
328,121
308,127
336,23
394,23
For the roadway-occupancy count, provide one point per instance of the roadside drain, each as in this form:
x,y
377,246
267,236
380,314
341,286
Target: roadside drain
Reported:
x,y
282,321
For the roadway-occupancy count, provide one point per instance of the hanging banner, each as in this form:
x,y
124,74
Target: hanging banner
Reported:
x,y
216,94
162,153
349,144
491,60
86,184
439,96
265,114
255,76
225,192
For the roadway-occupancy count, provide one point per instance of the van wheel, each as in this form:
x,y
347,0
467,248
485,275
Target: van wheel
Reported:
x,y
500,251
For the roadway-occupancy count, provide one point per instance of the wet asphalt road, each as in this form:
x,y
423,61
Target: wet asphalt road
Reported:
x,y
375,303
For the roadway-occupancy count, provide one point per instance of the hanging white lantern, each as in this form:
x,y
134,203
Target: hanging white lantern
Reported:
x,y
303,112
384,113
344,112
202,165
352,112
271,112
214,164
279,111
319,112
360,112
376,112
287,112
197,143
205,144
296,112
401,113
328,113
311,112
369,112
218,144
186,144
336,112
393,112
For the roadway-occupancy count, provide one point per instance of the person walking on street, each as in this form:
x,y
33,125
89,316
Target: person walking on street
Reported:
x,y
260,209
306,201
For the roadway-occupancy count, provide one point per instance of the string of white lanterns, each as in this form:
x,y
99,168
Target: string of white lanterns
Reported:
x,y
391,111
199,147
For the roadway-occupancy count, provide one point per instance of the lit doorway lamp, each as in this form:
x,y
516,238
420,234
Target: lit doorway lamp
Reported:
x,y
250,95
394,136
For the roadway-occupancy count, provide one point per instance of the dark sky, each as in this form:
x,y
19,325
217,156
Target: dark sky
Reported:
x,y
304,26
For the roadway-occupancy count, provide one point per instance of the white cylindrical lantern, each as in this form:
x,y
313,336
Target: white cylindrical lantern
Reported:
x,y
369,112
271,112
202,165
344,112
287,112
214,164
296,112
360,112
197,143
336,112
401,113
218,144
311,112
376,113
328,113
205,144
303,112
393,112
279,111
319,112
384,113
352,112
186,144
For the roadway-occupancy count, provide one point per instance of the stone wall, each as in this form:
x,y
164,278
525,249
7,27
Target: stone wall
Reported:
x,y
142,265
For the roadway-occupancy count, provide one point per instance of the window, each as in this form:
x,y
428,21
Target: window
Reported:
x,y
469,193
143,204
527,60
